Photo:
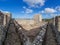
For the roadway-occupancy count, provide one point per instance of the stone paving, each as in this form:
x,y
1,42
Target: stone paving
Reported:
x,y
11,36
2,34
50,38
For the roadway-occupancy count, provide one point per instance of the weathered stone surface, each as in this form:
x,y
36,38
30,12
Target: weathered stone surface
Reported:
x,y
2,34
12,37
49,38
57,23
39,38
57,33
1,18
17,36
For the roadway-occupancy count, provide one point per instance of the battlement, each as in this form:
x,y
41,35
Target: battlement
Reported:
x,y
5,18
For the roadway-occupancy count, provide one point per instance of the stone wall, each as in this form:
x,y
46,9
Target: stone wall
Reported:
x,y
4,18
26,24
57,23
23,21
1,18
7,17
37,18
30,23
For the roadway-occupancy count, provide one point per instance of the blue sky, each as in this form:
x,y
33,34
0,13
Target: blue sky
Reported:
x,y
28,8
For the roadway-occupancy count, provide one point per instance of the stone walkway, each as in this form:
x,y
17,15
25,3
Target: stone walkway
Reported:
x,y
16,35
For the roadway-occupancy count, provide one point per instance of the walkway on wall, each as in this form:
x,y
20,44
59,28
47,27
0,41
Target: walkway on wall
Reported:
x,y
16,35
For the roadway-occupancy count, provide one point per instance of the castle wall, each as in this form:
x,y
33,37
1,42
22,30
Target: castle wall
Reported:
x,y
4,18
24,22
1,18
57,23
37,18
7,17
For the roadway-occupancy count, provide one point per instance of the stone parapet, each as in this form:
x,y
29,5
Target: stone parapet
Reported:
x,y
57,22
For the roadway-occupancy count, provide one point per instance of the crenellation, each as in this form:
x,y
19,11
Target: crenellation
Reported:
x,y
37,18
57,22
1,18
17,32
5,18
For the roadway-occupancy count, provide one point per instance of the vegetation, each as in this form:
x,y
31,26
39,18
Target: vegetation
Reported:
x,y
47,20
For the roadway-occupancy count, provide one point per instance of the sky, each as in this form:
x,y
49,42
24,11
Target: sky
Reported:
x,y
28,8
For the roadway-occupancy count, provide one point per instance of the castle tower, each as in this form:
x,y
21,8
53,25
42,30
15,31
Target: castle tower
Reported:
x,y
1,18
4,18
7,17
37,18
40,18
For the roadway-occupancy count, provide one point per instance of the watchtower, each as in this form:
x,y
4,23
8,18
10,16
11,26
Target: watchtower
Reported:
x,y
1,18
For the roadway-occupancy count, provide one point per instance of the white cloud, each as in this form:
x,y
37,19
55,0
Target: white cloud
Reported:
x,y
48,10
35,3
4,11
58,8
42,11
27,10
24,7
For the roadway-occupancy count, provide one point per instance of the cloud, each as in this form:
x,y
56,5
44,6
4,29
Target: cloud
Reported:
x,y
48,10
27,10
24,7
34,3
58,8
4,11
